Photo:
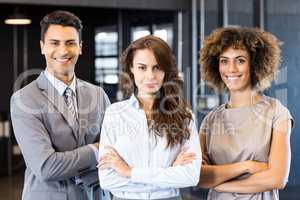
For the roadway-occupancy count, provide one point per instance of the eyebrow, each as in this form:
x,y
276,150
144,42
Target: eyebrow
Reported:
x,y
56,40
240,56
142,64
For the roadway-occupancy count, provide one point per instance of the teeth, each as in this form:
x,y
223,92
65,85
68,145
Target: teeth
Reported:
x,y
232,78
62,59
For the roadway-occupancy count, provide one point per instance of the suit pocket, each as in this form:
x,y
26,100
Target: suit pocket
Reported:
x,y
47,195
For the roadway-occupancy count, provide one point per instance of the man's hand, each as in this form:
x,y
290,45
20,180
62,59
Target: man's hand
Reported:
x,y
96,145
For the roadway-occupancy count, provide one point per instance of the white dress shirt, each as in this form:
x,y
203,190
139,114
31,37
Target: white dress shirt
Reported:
x,y
125,128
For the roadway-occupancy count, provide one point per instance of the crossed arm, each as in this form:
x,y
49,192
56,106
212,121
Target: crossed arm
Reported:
x,y
264,176
38,150
116,175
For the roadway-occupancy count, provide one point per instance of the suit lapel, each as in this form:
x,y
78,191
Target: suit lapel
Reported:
x,y
84,103
58,102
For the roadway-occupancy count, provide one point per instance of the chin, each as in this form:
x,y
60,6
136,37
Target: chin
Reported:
x,y
237,88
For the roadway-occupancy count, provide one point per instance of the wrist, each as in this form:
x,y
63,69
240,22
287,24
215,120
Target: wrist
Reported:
x,y
246,166
128,172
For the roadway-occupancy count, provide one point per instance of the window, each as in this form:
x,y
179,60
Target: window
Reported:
x,y
106,51
163,31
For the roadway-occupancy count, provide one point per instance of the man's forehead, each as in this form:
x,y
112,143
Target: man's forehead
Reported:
x,y
61,33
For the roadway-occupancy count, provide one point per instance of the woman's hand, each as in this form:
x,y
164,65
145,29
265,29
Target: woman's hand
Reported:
x,y
113,160
184,158
255,166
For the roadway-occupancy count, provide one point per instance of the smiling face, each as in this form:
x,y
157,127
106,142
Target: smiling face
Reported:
x,y
61,48
148,75
234,68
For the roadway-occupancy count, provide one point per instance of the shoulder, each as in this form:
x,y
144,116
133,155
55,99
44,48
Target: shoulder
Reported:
x,y
214,113
278,110
28,100
30,91
91,86
120,106
274,104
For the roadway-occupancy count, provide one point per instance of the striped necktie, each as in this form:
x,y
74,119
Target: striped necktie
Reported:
x,y
70,101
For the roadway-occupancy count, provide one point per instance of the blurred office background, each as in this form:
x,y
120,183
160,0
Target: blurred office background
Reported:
x,y
110,25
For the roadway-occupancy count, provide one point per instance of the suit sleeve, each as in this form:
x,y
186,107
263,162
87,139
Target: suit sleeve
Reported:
x,y
109,178
175,177
36,146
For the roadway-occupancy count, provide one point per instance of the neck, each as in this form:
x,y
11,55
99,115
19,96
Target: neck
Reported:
x,y
146,101
243,98
67,78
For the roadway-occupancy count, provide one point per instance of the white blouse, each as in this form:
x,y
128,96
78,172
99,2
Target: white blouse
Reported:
x,y
125,128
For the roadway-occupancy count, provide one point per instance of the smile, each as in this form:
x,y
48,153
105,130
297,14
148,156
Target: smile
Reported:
x,y
62,60
232,78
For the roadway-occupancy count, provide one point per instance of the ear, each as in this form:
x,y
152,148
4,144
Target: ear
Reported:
x,y
80,47
42,47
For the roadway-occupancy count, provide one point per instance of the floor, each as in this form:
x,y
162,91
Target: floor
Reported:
x,y
11,188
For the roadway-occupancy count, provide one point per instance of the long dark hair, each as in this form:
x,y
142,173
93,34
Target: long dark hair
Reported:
x,y
170,112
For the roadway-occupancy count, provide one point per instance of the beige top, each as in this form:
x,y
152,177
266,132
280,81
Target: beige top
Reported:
x,y
239,134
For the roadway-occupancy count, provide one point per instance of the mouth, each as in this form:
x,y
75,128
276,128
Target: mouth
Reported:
x,y
151,85
233,77
62,60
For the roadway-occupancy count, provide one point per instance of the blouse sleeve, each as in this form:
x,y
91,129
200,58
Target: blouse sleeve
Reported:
x,y
204,128
109,179
281,113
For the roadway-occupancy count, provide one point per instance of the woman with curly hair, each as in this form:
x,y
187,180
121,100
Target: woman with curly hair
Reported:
x,y
149,144
246,141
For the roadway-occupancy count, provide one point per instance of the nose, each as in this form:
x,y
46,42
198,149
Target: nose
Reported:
x,y
150,74
232,67
63,49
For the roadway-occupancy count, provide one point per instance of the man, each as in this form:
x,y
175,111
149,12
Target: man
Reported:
x,y
57,118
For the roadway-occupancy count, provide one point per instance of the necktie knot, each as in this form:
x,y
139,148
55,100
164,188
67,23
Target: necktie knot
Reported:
x,y
68,92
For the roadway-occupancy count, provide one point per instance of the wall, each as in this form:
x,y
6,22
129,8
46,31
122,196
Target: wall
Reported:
x,y
283,19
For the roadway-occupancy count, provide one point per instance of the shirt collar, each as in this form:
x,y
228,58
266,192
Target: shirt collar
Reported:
x,y
134,102
59,85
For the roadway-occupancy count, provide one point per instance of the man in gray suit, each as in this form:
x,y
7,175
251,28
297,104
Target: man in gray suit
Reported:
x,y
57,118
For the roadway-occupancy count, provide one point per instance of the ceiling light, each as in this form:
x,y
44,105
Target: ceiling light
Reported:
x,y
17,19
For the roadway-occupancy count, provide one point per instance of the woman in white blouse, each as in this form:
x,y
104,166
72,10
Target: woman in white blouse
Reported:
x,y
149,146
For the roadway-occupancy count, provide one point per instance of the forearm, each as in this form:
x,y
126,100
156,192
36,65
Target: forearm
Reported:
x,y
213,175
37,149
276,176
64,165
175,177
179,176
258,182
112,181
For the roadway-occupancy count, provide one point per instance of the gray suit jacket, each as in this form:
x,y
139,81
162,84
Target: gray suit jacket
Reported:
x,y
53,143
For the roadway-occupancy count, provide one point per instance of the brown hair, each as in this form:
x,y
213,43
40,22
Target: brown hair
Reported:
x,y
263,48
170,112
63,18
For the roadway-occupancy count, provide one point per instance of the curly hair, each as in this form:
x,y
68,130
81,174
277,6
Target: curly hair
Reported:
x,y
170,111
262,46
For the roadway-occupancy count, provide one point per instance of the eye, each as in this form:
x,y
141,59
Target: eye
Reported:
x,y
141,67
54,43
241,61
223,61
157,67
71,43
